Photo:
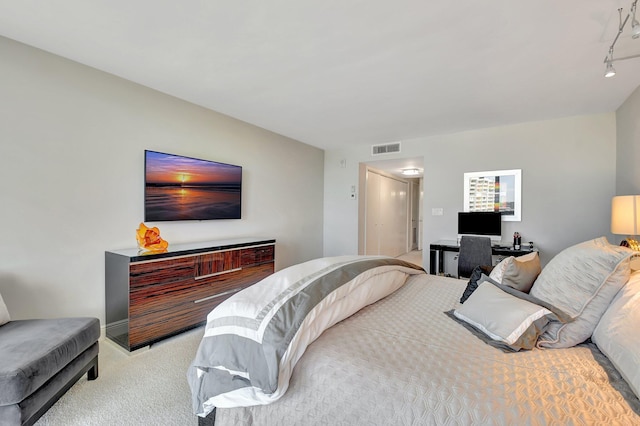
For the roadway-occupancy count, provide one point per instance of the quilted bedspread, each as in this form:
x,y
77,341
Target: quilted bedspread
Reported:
x,y
402,361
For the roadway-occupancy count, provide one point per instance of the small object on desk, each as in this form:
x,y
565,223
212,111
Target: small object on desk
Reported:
x,y
531,245
517,241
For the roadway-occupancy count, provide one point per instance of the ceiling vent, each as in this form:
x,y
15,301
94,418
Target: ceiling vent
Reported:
x,y
388,148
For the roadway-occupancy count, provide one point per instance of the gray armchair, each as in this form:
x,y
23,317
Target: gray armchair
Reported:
x,y
40,359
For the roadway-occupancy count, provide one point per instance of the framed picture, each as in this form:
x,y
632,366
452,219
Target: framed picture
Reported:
x,y
498,190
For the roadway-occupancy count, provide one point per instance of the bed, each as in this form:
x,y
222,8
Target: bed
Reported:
x,y
403,357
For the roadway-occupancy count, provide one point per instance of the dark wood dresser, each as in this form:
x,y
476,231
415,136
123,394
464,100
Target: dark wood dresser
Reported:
x,y
153,296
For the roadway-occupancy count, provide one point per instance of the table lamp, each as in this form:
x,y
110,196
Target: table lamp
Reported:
x,y
625,218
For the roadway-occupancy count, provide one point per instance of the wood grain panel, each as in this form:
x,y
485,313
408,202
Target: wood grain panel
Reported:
x,y
143,274
146,330
155,312
214,263
255,255
163,295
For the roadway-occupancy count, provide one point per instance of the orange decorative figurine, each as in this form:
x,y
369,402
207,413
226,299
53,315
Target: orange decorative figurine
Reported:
x,y
149,239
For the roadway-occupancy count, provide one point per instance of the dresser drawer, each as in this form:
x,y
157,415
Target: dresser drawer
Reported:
x,y
158,297
143,274
171,309
256,255
154,326
216,263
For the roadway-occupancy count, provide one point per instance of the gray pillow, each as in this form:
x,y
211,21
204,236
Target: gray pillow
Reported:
x,y
581,281
4,313
503,317
477,273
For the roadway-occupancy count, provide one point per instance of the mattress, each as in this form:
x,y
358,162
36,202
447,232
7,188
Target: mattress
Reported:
x,y
403,361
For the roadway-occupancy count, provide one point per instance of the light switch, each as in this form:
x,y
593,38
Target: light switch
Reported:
x,y
437,211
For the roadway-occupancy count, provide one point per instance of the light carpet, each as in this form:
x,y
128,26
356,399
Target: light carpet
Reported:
x,y
146,388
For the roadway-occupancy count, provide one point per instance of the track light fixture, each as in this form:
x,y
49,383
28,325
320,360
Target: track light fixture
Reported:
x,y
610,72
635,33
635,25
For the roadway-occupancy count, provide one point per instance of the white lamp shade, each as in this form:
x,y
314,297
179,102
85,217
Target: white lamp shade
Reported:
x,y
625,214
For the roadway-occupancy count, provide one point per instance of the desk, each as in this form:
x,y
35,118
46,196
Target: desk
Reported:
x,y
439,247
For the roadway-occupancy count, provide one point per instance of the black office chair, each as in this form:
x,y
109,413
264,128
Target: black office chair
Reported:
x,y
474,251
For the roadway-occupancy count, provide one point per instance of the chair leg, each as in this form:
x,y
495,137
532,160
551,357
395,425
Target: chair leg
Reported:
x,y
92,373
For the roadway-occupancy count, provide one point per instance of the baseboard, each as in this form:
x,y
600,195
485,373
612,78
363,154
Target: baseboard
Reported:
x,y
118,328
123,350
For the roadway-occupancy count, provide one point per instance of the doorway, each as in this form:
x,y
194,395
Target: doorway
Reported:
x,y
390,208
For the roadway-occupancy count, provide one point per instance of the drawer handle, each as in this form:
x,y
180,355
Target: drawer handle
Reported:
x,y
200,277
204,299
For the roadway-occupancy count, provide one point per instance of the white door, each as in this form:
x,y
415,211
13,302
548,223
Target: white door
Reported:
x,y
372,214
387,215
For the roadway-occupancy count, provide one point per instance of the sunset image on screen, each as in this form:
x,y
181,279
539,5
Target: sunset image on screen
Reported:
x,y
184,188
165,169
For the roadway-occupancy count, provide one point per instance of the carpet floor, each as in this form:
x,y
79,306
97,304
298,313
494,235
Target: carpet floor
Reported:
x,y
148,387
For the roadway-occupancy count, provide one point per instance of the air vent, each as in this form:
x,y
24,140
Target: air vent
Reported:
x,y
387,148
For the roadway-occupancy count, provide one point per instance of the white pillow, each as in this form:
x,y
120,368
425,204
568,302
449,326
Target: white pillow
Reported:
x,y
498,270
617,332
4,313
581,281
503,317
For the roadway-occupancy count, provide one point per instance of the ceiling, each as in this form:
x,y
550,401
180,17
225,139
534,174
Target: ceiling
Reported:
x,y
330,73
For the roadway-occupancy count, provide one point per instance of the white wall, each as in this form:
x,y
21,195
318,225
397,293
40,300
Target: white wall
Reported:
x,y
568,179
72,144
628,153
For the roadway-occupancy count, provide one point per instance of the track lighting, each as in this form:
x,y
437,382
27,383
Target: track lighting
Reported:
x,y
635,30
635,25
635,34
610,72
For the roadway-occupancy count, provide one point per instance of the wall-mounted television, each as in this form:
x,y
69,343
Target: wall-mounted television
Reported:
x,y
488,224
185,188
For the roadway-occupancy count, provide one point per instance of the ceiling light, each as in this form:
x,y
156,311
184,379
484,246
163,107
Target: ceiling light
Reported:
x,y
635,29
635,33
635,25
610,72
411,172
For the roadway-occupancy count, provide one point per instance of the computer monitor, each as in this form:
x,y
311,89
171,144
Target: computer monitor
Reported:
x,y
485,224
